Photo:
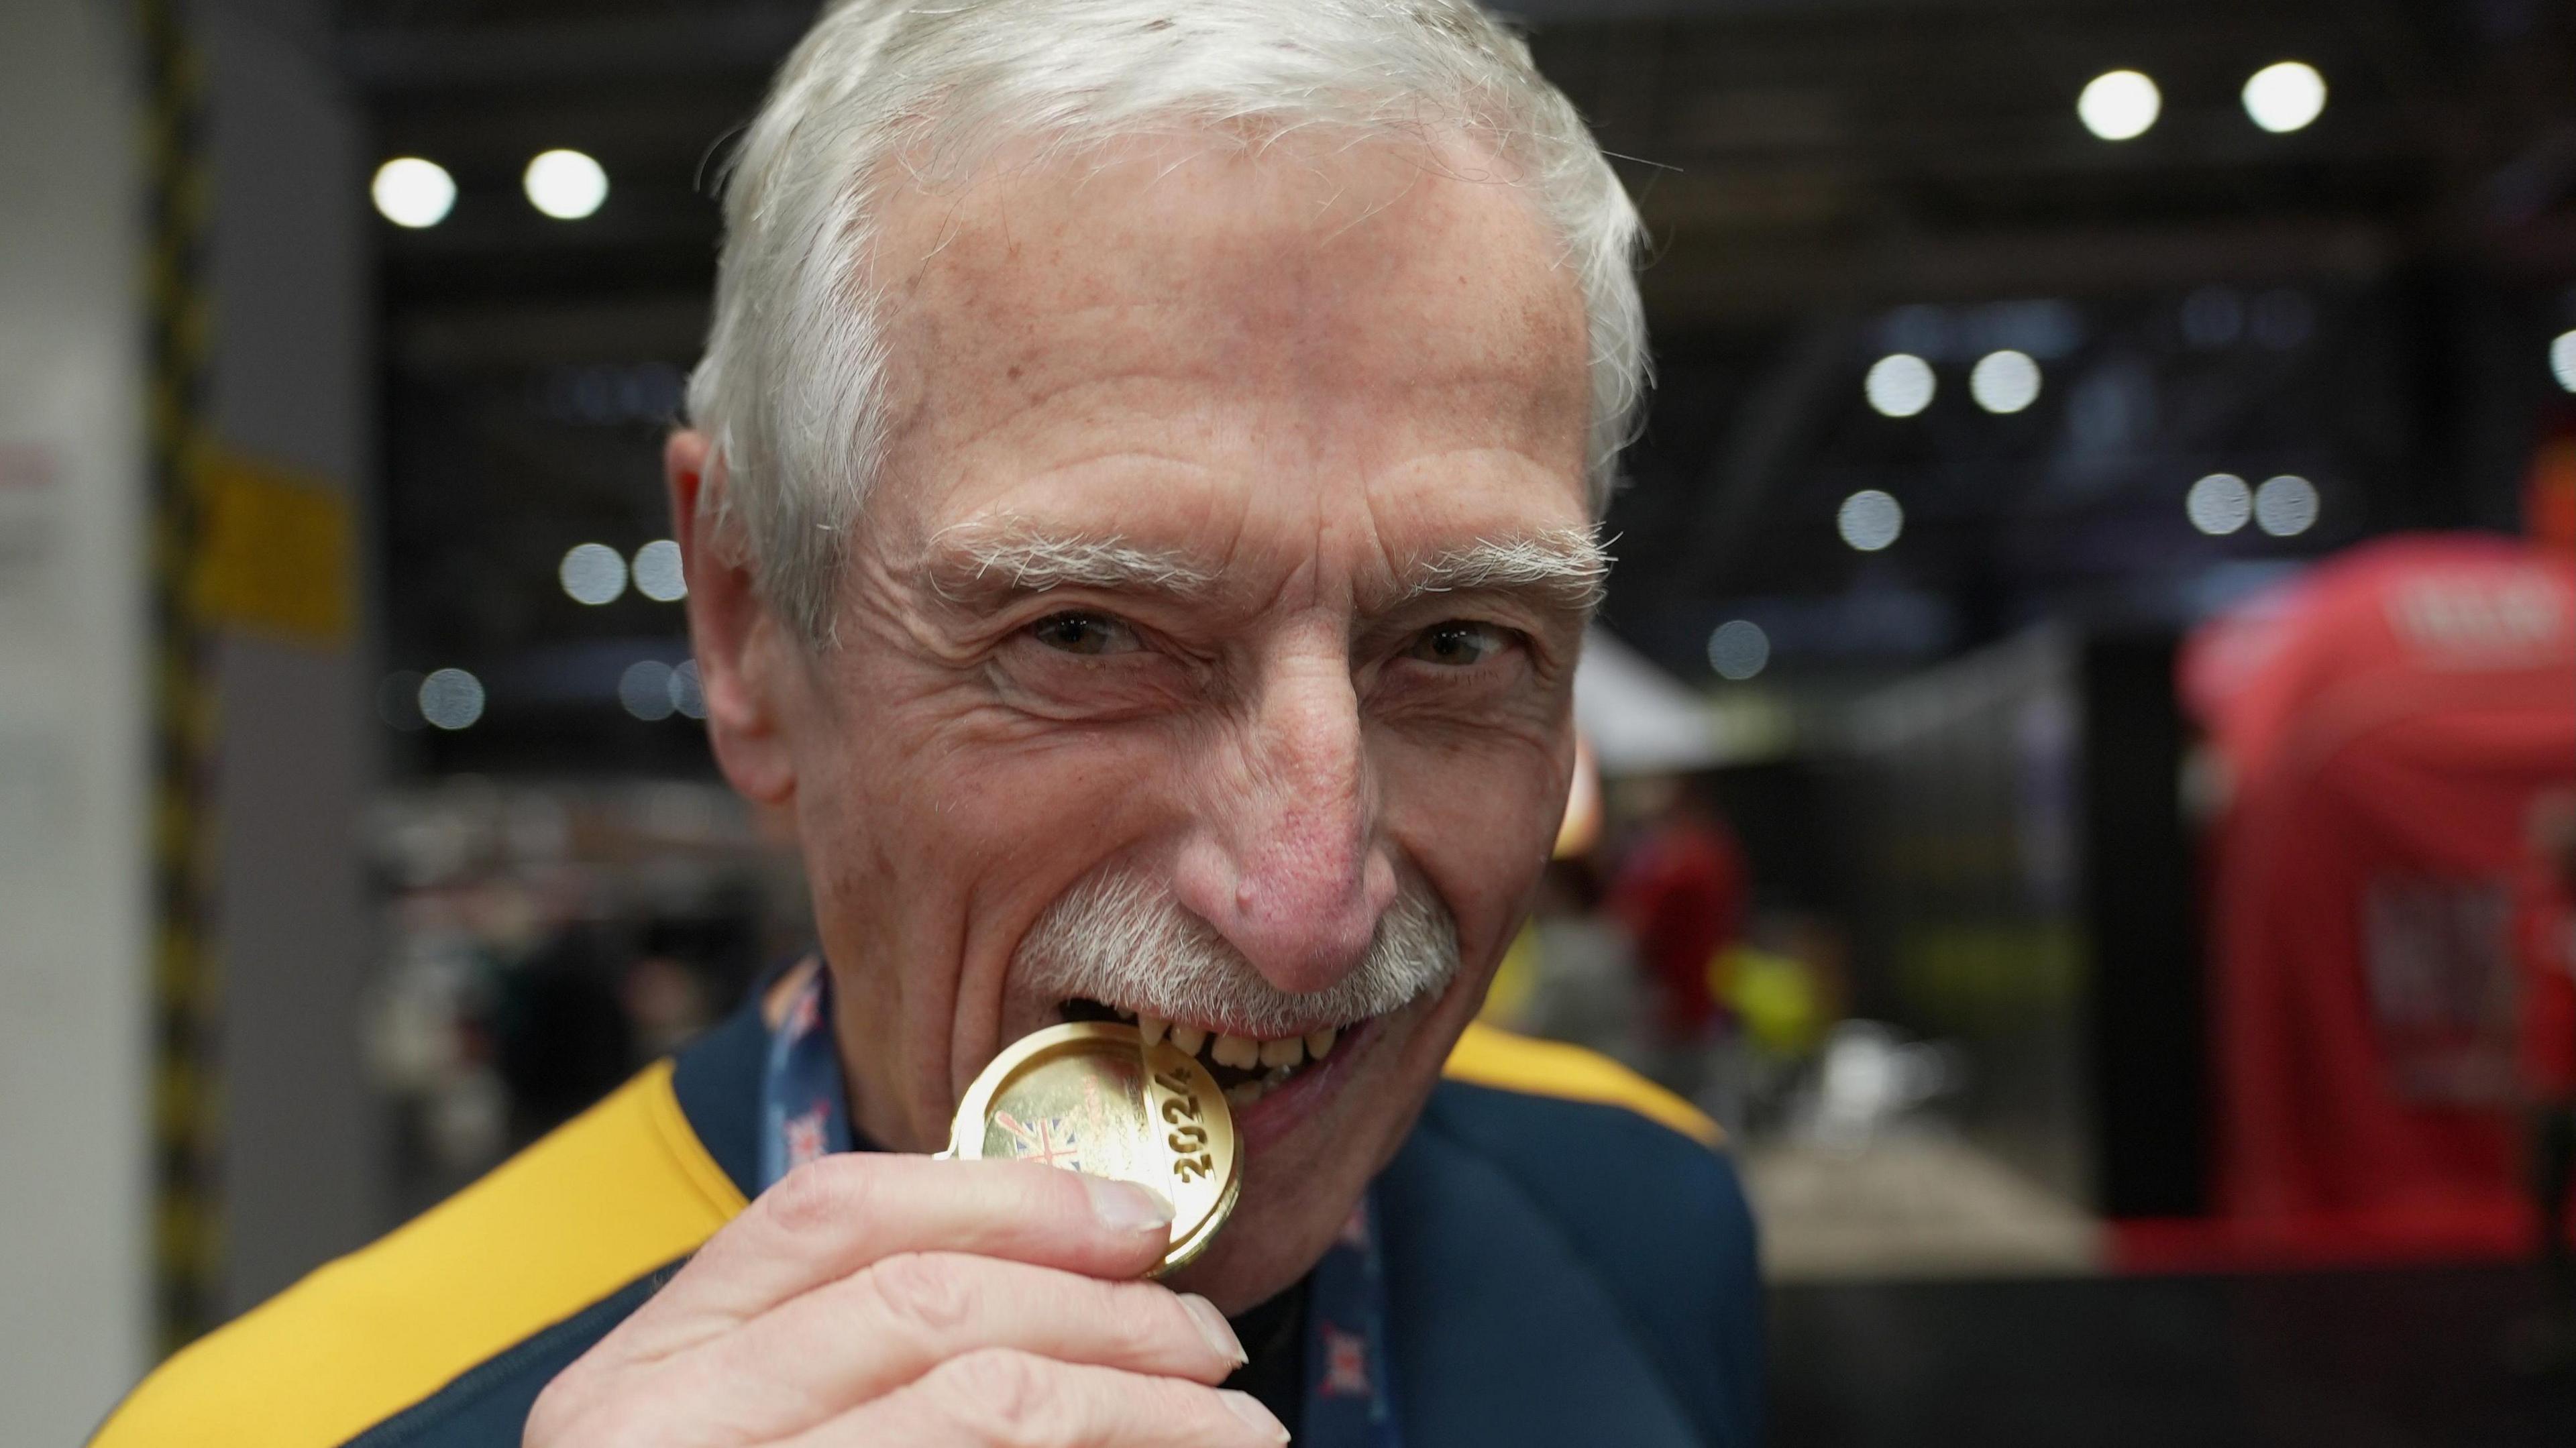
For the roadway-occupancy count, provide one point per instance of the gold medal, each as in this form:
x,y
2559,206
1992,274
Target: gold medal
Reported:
x,y
1092,1097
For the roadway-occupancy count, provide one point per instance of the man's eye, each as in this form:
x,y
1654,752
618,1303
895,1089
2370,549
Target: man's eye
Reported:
x,y
1084,633
1458,643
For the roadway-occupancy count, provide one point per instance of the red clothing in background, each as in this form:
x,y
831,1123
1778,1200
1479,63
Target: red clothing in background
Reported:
x,y
2544,941
1681,893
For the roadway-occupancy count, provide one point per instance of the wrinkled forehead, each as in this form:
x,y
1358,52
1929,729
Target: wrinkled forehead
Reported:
x,y
1361,306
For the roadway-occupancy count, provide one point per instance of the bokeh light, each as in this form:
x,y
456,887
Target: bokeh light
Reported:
x,y
1899,384
1739,649
593,573
645,689
2562,360
2005,381
2119,105
2286,506
658,575
686,695
2285,97
566,185
451,699
2219,504
1870,520
409,191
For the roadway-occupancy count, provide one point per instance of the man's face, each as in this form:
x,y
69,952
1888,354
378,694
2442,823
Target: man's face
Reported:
x,y
1228,552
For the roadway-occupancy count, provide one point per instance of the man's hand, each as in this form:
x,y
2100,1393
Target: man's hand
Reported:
x,y
874,1299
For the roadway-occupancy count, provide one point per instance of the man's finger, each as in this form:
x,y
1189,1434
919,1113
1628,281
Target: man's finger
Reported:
x,y
832,1217
898,1319
1004,1397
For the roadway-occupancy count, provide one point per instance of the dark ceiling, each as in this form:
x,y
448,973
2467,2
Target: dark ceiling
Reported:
x,y
1824,181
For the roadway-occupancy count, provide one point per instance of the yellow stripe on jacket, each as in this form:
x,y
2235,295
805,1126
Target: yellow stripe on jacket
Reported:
x,y
617,1192
622,1189
1485,1056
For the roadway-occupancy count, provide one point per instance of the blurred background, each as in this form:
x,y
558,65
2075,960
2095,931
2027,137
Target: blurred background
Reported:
x,y
2081,740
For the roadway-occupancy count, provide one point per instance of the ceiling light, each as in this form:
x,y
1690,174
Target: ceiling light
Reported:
x,y
2119,105
2285,506
411,192
2285,97
645,690
592,573
1870,520
1899,384
565,185
658,575
451,699
2219,504
2005,381
1739,649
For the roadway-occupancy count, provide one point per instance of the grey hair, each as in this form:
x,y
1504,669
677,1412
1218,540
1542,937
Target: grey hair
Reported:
x,y
880,92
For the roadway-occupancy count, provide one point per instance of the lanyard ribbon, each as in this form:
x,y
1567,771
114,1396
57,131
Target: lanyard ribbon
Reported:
x,y
805,1114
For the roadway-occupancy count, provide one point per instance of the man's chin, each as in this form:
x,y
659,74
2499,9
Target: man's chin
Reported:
x,y
1311,1150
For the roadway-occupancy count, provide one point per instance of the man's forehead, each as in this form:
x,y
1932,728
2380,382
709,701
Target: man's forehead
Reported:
x,y
1296,262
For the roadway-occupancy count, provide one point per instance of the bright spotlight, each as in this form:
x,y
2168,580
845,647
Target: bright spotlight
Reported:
x,y
451,699
2562,360
2119,105
2285,97
412,192
2005,381
1870,520
2285,506
2219,504
593,573
645,689
1899,384
1739,649
657,572
565,185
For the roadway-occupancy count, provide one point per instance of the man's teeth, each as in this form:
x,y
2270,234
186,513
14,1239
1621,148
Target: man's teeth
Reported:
x,y
1276,1059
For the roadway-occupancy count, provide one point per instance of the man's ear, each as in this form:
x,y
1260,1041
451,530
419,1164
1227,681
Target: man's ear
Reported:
x,y
743,663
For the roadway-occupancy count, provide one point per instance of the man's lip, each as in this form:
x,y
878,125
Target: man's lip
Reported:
x,y
1280,1109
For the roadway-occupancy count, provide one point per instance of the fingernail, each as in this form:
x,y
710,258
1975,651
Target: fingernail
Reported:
x,y
1213,1326
1126,1207
1261,1419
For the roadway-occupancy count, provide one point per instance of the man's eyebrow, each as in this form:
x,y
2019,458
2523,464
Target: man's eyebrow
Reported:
x,y
1568,566
980,560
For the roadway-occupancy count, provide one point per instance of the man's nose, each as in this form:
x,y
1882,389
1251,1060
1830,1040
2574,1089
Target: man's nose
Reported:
x,y
1284,861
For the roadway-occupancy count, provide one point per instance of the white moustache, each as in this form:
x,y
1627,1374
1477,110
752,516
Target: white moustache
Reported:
x,y
1122,940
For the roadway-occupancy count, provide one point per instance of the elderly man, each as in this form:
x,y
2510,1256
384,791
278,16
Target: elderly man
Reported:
x,y
1139,521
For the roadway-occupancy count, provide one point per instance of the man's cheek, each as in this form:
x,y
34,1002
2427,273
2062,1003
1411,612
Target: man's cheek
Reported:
x,y
1479,824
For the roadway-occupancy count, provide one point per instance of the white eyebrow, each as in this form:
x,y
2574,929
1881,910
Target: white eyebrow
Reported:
x,y
1568,563
1020,560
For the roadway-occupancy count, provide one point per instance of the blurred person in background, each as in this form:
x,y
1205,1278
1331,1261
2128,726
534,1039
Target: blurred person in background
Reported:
x,y
1572,974
1681,890
1138,521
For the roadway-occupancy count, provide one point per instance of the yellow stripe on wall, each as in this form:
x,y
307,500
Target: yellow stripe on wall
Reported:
x,y
276,553
619,1191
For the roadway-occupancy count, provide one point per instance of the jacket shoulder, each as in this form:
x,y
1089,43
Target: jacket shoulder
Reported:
x,y
1631,1186
555,1237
